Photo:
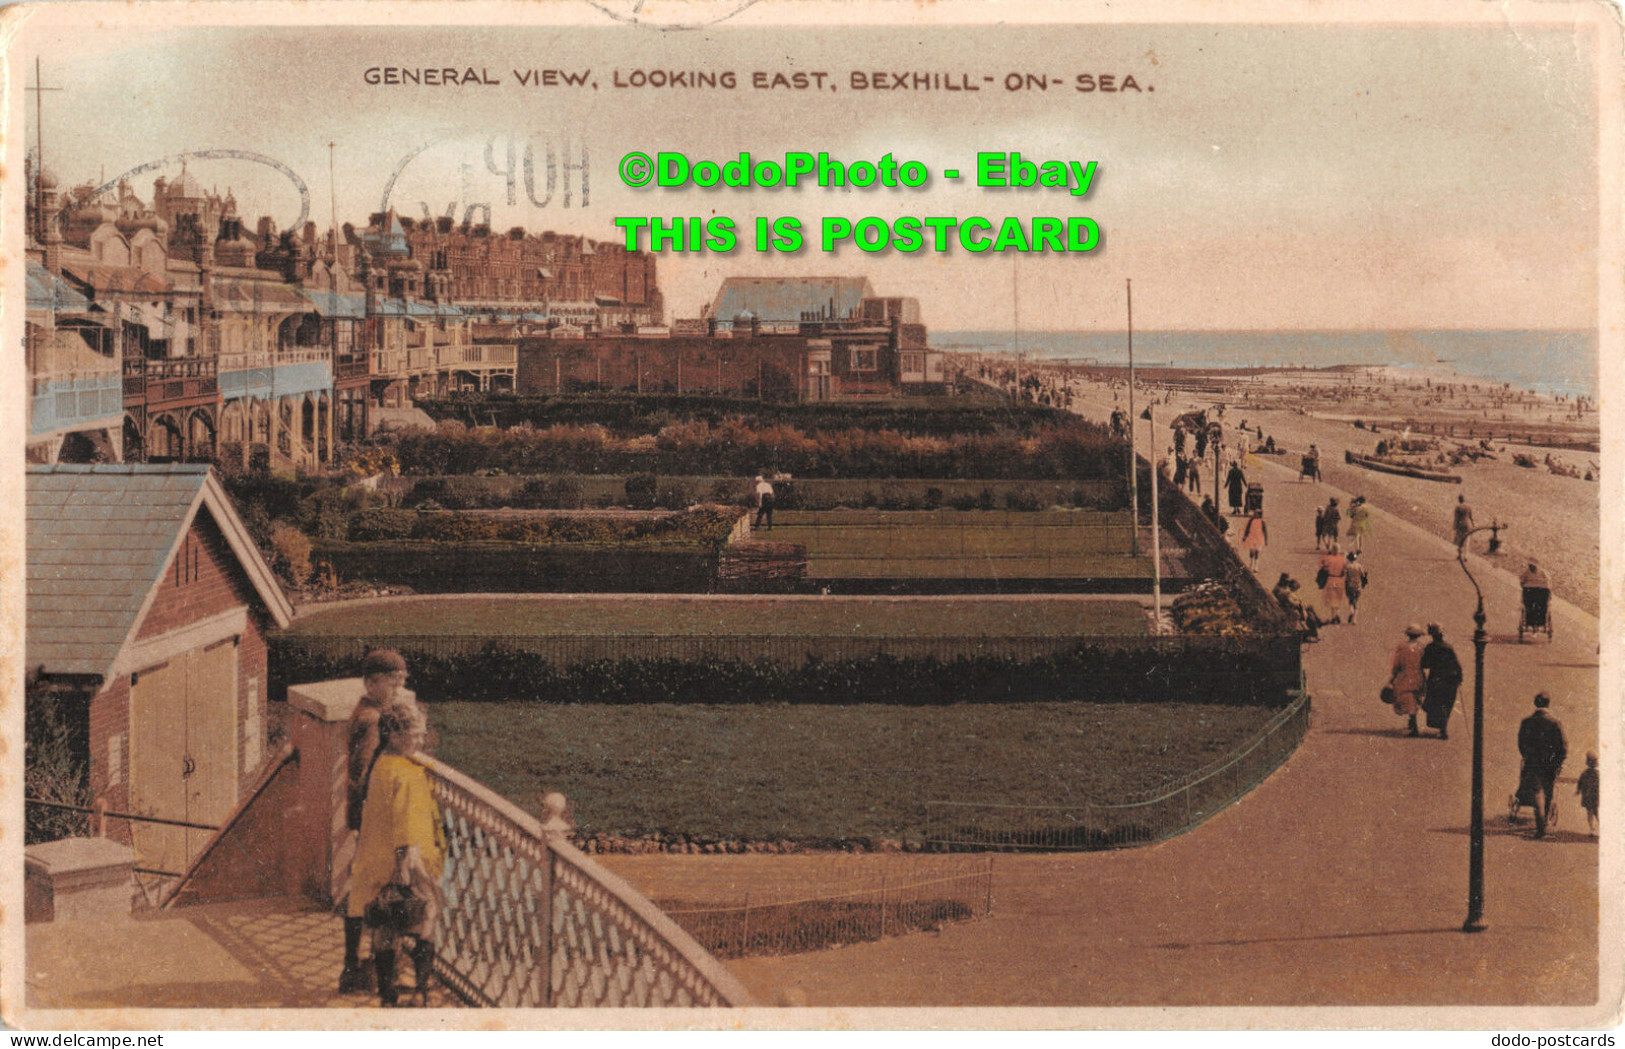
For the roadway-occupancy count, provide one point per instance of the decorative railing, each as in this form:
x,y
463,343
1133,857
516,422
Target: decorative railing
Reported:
x,y
530,921
1169,809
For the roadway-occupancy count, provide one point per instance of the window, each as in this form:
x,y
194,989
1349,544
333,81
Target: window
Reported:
x,y
188,561
115,759
865,358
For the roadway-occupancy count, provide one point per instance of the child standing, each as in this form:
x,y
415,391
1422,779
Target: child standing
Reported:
x,y
1589,787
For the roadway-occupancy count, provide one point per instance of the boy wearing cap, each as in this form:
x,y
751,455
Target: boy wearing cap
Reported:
x,y
1543,749
383,674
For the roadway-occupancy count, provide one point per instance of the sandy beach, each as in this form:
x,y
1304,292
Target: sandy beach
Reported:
x,y
1550,516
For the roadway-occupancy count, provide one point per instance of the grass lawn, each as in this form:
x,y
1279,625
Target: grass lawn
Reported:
x,y
598,616
777,771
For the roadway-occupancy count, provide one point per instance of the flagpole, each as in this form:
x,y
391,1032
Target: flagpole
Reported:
x,y
1156,528
1133,458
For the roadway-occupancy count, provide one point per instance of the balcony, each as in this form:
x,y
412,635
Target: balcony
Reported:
x,y
285,373
176,379
75,400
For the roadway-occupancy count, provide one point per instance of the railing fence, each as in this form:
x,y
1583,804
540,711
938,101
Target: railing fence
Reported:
x,y
1170,809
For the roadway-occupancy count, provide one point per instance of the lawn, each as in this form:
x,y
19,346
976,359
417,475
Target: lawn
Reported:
x,y
775,771
600,616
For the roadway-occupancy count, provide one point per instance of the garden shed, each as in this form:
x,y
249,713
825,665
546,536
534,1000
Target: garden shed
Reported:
x,y
147,612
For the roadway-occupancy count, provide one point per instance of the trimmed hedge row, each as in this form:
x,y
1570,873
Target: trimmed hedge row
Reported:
x,y
574,492
628,414
1255,672
1056,451
707,526
649,565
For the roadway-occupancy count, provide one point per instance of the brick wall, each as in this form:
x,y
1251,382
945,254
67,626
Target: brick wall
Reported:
x,y
205,579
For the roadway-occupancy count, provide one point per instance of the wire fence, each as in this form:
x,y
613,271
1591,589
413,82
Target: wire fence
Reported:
x,y
1171,808
894,901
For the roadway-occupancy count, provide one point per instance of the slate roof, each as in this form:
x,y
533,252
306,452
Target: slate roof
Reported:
x,y
46,291
783,300
99,539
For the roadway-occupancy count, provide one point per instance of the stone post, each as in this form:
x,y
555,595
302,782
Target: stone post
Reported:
x,y
319,842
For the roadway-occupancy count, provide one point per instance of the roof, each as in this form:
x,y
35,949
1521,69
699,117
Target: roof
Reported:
x,y
100,538
117,278
257,296
337,304
46,291
410,308
784,300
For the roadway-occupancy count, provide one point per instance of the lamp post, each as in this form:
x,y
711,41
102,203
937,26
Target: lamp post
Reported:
x,y
1475,833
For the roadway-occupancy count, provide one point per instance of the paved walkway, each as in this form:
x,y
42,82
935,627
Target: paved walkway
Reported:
x,y
1340,881
255,954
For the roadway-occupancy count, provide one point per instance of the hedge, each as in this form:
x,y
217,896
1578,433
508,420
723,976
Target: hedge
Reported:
x,y
1056,451
629,414
651,565
1249,672
707,526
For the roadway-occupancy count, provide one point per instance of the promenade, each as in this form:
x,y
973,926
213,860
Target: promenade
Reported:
x,y
1340,881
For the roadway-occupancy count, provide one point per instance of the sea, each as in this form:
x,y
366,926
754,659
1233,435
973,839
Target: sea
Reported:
x,y
1549,362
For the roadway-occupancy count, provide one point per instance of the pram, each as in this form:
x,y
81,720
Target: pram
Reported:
x,y
1255,498
1527,797
1535,615
1309,466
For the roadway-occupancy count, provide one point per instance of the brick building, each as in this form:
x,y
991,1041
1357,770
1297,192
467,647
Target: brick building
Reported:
x,y
147,613
821,338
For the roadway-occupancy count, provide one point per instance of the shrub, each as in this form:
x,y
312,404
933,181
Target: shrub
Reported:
x,y
292,547
55,763
1023,499
933,498
642,490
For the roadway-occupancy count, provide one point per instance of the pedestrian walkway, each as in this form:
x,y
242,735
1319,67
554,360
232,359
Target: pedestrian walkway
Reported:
x,y
271,953
1342,880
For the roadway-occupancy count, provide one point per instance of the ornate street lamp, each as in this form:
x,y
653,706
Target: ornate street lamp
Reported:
x,y
1475,856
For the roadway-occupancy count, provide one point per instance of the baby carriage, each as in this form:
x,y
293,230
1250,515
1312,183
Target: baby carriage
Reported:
x,y
1535,615
1527,797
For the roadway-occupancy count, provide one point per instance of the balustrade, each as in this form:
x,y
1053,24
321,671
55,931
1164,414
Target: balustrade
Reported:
x,y
531,921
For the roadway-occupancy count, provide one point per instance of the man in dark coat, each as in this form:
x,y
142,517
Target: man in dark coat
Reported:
x,y
1443,670
1543,748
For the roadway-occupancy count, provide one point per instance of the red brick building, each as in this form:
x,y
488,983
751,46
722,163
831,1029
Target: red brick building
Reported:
x,y
148,609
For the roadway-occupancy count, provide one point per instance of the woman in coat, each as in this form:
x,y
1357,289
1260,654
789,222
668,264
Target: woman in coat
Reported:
x,y
401,834
1405,677
1332,577
1235,484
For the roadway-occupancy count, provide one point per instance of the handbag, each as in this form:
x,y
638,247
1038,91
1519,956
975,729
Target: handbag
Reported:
x,y
1321,577
1387,695
396,907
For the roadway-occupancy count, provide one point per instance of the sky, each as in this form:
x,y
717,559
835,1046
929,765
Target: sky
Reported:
x,y
1265,177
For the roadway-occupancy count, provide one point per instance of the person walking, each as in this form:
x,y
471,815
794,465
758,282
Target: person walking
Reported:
x,y
1301,614
402,842
1314,463
1254,537
1332,521
1463,519
1405,678
1354,583
1320,527
1589,788
1332,578
764,502
1543,749
1444,676
383,675
1359,523
1235,484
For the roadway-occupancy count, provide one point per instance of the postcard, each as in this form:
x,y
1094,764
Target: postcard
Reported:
x,y
792,515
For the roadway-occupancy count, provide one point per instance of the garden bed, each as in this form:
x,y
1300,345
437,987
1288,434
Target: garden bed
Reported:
x,y
703,774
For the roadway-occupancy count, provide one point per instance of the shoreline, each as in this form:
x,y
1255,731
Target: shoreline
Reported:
x,y
1523,457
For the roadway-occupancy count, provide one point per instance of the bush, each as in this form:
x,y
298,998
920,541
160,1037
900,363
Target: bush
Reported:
x,y
55,765
642,490
933,498
1023,499
293,547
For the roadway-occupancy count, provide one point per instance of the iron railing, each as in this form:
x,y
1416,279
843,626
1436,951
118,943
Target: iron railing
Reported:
x,y
895,900
1169,809
530,921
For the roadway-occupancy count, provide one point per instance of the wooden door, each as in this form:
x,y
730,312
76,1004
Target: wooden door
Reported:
x,y
183,753
157,764
211,739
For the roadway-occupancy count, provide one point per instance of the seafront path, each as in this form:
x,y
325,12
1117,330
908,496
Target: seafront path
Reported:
x,y
1340,881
